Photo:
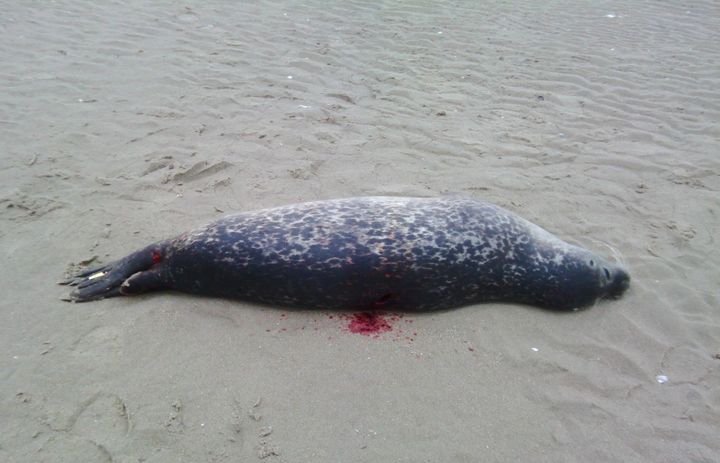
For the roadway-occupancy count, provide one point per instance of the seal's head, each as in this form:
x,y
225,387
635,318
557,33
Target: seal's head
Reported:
x,y
571,279
587,278
614,280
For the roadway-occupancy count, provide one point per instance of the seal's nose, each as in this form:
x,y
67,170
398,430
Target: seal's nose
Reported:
x,y
619,281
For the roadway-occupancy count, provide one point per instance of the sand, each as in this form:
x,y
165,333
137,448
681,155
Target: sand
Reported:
x,y
122,123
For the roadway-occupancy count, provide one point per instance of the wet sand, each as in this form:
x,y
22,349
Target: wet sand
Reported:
x,y
127,122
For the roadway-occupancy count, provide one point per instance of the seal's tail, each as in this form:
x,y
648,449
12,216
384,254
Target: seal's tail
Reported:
x,y
139,272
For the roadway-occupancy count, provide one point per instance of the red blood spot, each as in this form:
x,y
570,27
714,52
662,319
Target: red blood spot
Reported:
x,y
156,257
471,349
368,323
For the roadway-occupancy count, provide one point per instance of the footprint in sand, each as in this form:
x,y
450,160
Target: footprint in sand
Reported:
x,y
197,171
96,432
104,421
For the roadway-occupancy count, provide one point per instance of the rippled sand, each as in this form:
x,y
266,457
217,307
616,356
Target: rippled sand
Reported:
x,y
126,122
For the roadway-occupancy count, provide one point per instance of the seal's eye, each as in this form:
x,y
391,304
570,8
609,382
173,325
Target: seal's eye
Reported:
x,y
592,263
607,273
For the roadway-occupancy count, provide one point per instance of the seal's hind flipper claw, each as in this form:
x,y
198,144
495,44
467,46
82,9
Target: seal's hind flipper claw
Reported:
x,y
101,284
99,279
93,293
105,281
78,277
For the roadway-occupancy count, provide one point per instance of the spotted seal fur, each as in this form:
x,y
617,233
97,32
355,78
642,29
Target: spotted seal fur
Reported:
x,y
360,253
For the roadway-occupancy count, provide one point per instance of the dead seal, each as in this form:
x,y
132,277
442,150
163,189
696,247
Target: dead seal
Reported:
x,y
359,253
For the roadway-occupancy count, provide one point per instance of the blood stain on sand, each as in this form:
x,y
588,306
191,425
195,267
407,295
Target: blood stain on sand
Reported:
x,y
372,324
368,323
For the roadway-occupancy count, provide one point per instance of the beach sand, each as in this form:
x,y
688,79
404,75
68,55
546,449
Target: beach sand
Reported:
x,y
122,123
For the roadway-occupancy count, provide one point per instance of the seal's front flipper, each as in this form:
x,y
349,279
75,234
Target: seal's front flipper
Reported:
x,y
105,281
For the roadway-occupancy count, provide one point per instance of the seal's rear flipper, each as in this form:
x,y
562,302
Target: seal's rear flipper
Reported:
x,y
112,279
142,282
76,279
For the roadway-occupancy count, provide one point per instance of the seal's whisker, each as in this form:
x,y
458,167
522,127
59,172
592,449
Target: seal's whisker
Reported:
x,y
617,255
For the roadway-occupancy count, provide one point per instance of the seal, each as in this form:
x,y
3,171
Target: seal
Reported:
x,y
364,253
